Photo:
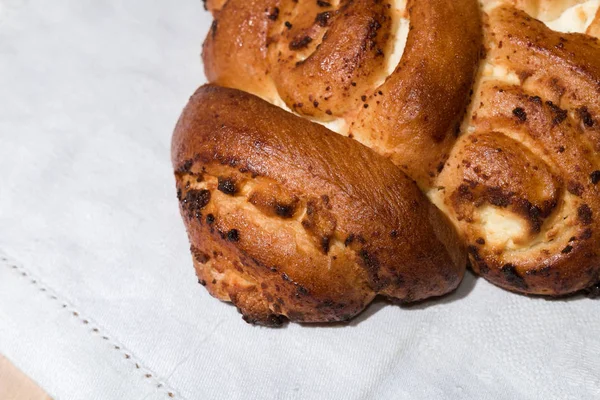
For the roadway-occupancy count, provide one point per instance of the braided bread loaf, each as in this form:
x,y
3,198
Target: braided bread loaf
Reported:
x,y
304,169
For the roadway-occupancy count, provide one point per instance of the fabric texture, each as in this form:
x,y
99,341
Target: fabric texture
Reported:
x,y
98,298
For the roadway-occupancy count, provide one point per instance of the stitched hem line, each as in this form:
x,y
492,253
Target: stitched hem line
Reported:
x,y
94,328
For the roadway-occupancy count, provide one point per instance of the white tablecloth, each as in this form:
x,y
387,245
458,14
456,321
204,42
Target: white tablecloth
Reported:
x,y
98,298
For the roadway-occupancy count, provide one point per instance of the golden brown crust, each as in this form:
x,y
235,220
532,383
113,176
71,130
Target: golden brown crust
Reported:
x,y
414,117
532,160
330,57
329,61
288,219
235,48
283,228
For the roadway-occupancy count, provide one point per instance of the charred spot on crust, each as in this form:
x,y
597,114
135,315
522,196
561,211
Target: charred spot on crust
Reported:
x,y
556,86
349,240
473,251
322,3
322,19
533,213
273,200
497,197
231,161
213,28
480,241
370,262
512,276
233,235
195,200
585,116
584,213
288,24
559,114
575,188
325,244
595,177
520,114
464,192
559,117
227,186
210,219
567,249
285,210
523,75
199,255
301,290
271,320
185,168
373,27
274,14
300,43
475,260
319,223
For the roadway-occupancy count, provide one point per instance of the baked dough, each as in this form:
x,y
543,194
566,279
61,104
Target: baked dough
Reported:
x,y
287,218
523,182
303,168
338,63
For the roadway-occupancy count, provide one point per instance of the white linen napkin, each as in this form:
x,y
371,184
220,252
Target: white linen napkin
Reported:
x,y
98,297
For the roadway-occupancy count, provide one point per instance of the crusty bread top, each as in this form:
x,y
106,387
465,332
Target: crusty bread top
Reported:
x,y
523,184
491,113
331,62
310,209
